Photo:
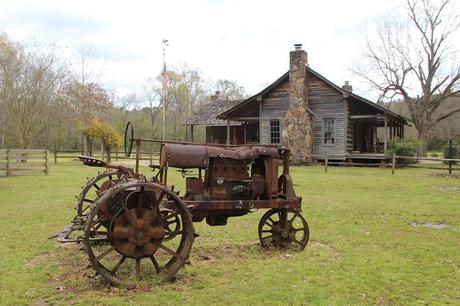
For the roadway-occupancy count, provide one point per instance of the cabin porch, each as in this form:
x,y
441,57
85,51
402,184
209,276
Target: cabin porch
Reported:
x,y
245,133
370,134
370,128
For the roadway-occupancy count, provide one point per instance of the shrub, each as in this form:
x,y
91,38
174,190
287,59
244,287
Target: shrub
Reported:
x,y
402,147
105,133
455,151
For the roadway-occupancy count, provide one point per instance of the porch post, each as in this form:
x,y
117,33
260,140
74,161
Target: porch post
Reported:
x,y
228,132
244,133
186,132
385,134
191,133
374,137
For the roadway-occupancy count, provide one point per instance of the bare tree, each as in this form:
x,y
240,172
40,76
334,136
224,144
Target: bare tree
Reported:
x,y
230,90
185,91
152,94
124,104
88,73
413,58
31,85
5,52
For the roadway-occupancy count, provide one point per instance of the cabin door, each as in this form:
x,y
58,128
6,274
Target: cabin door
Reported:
x,y
363,141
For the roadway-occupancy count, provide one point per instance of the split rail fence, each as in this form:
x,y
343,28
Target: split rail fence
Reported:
x,y
15,162
447,164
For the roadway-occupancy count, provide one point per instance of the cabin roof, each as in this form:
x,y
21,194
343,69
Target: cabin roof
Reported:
x,y
285,77
208,112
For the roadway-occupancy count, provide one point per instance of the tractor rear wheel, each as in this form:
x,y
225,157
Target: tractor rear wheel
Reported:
x,y
136,218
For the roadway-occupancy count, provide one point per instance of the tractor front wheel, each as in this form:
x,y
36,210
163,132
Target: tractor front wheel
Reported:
x,y
283,228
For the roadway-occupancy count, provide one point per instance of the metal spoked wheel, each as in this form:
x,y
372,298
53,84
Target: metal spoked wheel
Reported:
x,y
137,218
283,228
94,188
172,223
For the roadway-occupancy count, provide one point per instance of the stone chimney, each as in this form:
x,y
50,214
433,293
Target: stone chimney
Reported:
x,y
298,60
215,96
297,122
347,86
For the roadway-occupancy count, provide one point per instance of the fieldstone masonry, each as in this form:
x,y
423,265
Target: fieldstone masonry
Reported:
x,y
297,130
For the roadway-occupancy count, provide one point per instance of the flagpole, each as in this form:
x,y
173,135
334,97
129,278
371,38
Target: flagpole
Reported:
x,y
165,43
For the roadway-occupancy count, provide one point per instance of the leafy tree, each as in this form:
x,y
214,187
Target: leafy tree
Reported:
x,y
105,133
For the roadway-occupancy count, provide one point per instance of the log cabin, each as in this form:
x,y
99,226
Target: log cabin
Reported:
x,y
306,112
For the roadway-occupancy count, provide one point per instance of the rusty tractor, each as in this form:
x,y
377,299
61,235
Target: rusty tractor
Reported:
x,y
123,217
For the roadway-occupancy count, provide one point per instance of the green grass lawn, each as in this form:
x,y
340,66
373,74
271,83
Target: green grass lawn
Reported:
x,y
365,246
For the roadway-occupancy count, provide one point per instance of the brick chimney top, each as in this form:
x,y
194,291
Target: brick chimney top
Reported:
x,y
298,56
347,86
216,95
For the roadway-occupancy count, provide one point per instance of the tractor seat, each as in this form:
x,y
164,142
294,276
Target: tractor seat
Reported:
x,y
155,164
91,161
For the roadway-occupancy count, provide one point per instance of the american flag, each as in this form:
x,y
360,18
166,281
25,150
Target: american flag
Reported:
x,y
164,73
165,76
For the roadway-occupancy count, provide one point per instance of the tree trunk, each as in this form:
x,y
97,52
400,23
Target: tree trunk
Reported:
x,y
2,138
109,153
3,131
90,147
423,138
85,145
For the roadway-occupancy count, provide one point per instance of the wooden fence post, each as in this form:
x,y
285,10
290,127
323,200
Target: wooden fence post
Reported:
x,y
8,166
116,154
151,157
450,156
46,162
393,164
55,156
326,160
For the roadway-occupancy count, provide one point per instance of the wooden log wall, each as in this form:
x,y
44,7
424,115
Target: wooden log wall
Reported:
x,y
326,102
273,106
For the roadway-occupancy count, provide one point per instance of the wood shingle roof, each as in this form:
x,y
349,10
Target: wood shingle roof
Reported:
x,y
208,112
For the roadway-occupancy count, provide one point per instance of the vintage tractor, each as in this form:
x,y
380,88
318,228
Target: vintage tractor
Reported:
x,y
124,217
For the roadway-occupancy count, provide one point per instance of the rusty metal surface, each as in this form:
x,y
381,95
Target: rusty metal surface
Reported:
x,y
237,205
131,217
91,161
198,156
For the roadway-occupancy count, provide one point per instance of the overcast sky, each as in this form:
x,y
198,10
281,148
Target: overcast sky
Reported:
x,y
244,41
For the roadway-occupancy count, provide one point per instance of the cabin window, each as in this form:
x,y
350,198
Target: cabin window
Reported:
x,y
329,131
275,131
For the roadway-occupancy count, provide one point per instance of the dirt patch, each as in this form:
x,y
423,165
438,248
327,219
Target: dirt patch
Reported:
x,y
451,188
36,260
457,176
40,302
436,226
211,253
334,254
